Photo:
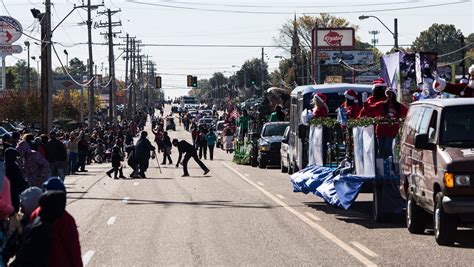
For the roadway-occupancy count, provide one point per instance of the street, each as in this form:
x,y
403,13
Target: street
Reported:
x,y
235,215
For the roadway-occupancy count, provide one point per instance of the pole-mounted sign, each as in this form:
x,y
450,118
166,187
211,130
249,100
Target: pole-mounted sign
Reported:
x,y
10,30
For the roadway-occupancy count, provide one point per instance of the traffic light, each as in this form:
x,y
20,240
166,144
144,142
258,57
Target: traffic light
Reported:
x,y
158,82
194,81
253,79
189,80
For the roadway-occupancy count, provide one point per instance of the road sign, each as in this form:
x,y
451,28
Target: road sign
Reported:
x,y
10,30
10,49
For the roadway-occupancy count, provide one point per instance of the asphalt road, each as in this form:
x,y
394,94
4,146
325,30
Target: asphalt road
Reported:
x,y
236,215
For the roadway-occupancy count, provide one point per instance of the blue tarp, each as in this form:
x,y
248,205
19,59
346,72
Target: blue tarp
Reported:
x,y
337,190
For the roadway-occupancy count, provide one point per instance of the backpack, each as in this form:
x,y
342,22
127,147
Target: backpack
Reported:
x,y
35,244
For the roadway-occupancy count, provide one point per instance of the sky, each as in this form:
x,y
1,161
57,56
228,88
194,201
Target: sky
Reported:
x,y
233,22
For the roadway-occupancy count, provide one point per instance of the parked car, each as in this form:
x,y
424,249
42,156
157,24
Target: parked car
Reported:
x,y
220,134
285,152
437,166
170,125
270,142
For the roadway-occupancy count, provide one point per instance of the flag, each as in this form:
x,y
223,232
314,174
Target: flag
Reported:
x,y
234,114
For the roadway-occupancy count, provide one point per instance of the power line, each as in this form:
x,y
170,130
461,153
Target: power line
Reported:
x,y
292,13
455,51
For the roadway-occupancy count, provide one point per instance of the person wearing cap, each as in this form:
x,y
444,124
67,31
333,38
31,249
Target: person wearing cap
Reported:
x,y
350,105
64,248
389,109
29,201
378,95
320,109
459,89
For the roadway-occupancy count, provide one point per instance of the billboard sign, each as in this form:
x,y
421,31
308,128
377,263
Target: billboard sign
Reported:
x,y
10,30
61,82
354,57
335,38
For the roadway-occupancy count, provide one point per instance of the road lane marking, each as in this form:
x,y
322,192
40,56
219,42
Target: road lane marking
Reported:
x,y
125,199
356,254
87,257
136,183
312,216
111,220
280,196
260,183
364,249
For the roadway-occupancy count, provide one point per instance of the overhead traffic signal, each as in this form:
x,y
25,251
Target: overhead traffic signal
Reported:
x,y
158,82
253,79
194,81
189,80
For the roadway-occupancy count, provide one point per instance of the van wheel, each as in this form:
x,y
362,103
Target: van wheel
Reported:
x,y
415,216
283,168
445,225
377,204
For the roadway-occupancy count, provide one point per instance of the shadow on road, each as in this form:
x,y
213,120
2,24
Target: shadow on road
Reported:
x,y
360,213
206,204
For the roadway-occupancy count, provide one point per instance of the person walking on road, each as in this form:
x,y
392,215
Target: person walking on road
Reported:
x,y
166,148
116,163
189,152
143,150
211,142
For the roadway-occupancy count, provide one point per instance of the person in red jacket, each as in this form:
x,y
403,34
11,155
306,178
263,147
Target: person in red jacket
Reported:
x,y
378,95
459,89
65,249
390,109
351,105
320,109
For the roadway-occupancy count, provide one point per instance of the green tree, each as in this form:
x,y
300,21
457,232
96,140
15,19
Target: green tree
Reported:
x,y
77,67
443,39
250,76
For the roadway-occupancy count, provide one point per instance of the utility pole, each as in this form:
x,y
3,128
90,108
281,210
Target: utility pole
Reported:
x,y
91,62
132,77
262,72
46,73
375,40
110,37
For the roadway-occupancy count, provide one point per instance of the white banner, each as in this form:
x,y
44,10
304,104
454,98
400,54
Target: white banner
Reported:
x,y
316,147
364,150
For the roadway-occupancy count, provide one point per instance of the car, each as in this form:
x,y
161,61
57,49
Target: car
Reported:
x,y
285,152
170,125
220,133
437,166
269,143
207,122
207,113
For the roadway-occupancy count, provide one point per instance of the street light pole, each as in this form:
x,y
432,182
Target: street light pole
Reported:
x,y
67,58
28,67
395,27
